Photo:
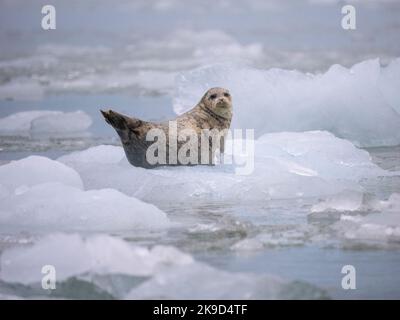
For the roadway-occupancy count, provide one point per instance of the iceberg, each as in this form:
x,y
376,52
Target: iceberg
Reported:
x,y
360,104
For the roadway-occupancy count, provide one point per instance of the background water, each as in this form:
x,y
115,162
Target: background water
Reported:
x,y
126,55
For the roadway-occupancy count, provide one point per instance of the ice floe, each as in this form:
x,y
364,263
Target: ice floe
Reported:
x,y
286,165
35,170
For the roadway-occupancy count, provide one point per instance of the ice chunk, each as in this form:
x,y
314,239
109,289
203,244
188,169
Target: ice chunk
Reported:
x,y
35,170
317,153
166,271
62,122
272,238
286,165
99,154
358,104
21,121
381,228
54,206
72,255
39,122
346,201
199,281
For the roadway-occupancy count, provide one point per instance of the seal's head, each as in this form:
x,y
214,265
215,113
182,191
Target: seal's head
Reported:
x,y
219,101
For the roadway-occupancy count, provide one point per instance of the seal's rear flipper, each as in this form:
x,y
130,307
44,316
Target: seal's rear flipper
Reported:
x,y
117,120
124,125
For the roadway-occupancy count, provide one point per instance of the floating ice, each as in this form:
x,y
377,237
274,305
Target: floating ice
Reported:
x,y
101,154
39,122
199,281
287,165
348,200
34,170
361,220
165,271
61,122
318,153
285,237
42,194
21,121
73,255
361,104
54,206
382,228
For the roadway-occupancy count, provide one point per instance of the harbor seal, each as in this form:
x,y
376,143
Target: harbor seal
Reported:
x,y
207,124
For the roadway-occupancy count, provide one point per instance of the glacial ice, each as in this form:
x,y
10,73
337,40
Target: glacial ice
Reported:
x,y
199,281
166,271
379,228
360,218
347,200
87,190
39,122
361,104
62,122
40,194
35,170
286,165
54,206
73,255
21,121
103,154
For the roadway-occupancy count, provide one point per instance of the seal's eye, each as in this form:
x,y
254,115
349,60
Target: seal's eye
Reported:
x,y
226,94
213,96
